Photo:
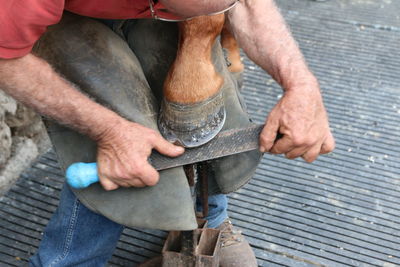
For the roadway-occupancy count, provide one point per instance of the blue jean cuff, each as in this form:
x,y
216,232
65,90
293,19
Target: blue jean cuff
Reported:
x,y
217,212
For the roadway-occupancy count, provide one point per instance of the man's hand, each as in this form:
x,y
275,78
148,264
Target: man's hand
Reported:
x,y
301,118
300,114
123,152
123,149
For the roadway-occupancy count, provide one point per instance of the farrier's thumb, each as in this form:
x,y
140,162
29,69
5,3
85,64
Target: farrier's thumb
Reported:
x,y
166,148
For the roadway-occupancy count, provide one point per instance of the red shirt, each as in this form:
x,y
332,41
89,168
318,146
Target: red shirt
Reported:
x,y
22,22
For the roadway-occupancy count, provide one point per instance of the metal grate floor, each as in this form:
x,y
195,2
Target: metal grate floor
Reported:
x,y
343,210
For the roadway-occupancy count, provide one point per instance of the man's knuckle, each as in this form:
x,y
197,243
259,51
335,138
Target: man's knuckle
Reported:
x,y
152,135
124,184
138,172
126,177
275,150
125,173
310,142
290,156
152,180
109,187
119,174
265,137
131,175
309,158
304,140
138,183
330,147
299,140
134,166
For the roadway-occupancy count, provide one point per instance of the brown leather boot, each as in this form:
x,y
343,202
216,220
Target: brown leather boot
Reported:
x,y
235,250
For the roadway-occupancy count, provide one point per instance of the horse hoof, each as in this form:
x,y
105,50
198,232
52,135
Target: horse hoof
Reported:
x,y
192,125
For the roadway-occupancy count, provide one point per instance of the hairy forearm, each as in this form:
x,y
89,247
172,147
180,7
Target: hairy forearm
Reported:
x,y
262,33
33,82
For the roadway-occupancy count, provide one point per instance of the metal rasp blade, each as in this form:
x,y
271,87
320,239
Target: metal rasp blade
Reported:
x,y
226,143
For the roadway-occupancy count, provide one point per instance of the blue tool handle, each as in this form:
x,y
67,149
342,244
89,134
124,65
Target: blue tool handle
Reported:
x,y
80,175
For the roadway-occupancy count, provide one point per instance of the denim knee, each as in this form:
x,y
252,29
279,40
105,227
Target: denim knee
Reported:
x,y
76,236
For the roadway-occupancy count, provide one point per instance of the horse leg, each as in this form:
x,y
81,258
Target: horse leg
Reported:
x,y
231,47
192,111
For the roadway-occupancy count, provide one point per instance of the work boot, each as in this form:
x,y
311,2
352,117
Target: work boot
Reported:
x,y
235,250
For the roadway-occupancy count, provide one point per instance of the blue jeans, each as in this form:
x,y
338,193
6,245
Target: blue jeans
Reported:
x,y
76,236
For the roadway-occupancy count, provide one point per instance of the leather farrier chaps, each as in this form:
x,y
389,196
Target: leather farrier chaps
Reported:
x,y
118,70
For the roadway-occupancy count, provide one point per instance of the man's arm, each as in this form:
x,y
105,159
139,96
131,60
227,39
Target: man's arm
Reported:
x,y
300,114
123,146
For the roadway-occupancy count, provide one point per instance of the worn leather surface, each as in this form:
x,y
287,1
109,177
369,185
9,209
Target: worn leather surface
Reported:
x,y
232,172
156,53
235,249
92,56
119,76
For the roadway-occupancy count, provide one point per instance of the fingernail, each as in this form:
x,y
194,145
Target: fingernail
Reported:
x,y
262,149
179,149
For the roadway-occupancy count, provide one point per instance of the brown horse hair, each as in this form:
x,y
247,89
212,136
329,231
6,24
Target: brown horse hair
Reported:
x,y
228,42
192,77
